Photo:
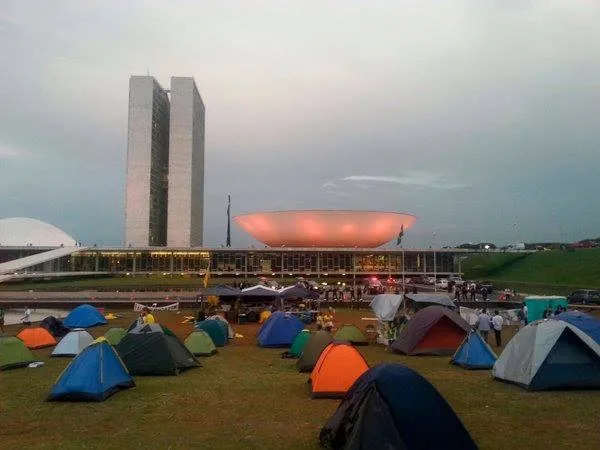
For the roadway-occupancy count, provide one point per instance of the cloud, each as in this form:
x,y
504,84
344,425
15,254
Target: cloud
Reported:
x,y
329,184
8,152
411,179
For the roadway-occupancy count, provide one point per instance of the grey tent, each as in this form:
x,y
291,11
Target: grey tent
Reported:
x,y
312,350
295,291
434,330
385,306
427,299
550,354
73,343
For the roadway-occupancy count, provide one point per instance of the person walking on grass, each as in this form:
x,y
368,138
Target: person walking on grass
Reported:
x,y
483,324
497,323
2,319
26,319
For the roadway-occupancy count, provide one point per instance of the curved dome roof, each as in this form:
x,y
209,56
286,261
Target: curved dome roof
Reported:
x,y
23,231
325,228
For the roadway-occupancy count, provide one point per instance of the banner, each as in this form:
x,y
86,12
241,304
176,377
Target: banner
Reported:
x,y
171,307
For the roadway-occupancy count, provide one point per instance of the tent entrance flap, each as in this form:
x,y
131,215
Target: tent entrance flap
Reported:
x,y
570,364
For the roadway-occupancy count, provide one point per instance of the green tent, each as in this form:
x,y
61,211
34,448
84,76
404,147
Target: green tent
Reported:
x,y
312,350
299,343
14,353
352,334
148,351
537,304
200,343
114,335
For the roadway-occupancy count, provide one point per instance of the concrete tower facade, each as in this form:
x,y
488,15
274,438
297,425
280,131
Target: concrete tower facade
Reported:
x,y
147,163
186,165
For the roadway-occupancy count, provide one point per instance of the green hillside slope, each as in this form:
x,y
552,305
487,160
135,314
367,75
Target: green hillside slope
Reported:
x,y
552,272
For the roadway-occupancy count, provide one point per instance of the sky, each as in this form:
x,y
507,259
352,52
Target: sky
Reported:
x,y
481,118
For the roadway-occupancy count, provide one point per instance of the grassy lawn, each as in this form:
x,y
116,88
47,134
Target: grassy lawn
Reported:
x,y
248,397
549,272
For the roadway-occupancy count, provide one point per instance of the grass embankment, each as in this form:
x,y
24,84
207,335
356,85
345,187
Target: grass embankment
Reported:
x,y
546,272
249,398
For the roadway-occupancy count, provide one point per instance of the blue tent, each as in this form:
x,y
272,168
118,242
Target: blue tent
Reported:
x,y
392,406
474,353
216,331
84,316
279,330
95,374
586,323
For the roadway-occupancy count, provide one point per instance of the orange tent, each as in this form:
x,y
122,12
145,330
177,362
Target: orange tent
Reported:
x,y
338,367
37,337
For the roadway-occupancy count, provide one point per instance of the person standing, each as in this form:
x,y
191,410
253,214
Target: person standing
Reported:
x,y
26,319
525,314
147,316
2,319
497,323
483,324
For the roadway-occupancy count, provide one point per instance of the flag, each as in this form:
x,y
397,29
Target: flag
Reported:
x,y
418,262
228,241
399,240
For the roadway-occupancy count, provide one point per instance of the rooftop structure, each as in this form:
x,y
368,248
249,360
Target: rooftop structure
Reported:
x,y
325,228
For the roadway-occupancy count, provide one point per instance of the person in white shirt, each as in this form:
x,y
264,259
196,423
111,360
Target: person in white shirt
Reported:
x,y
483,324
26,319
497,322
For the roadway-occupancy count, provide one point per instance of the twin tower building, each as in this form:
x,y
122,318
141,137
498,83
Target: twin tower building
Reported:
x,y
164,201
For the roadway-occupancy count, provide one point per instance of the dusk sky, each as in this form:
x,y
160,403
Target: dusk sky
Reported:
x,y
481,118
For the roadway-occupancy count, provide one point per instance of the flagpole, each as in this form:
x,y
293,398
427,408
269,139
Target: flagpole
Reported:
x,y
228,239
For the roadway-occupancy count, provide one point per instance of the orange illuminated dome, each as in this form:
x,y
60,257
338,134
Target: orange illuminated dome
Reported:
x,y
322,228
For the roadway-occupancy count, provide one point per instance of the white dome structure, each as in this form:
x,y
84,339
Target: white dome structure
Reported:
x,y
23,231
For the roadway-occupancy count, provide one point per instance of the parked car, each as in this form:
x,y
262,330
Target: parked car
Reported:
x,y
430,280
489,287
442,283
584,296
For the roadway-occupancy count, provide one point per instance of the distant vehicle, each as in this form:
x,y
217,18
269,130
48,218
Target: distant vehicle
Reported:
x,y
430,280
458,281
584,296
489,287
442,283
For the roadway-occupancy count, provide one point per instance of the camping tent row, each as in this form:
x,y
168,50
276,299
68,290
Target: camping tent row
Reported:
x,y
386,306
102,369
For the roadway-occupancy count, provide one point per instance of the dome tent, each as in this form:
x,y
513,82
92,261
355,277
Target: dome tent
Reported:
x,y
114,335
199,343
352,334
149,350
84,316
315,345
392,406
474,353
279,330
73,343
434,330
94,374
550,354
14,353
215,330
297,345
224,323
54,326
36,337
338,367
586,323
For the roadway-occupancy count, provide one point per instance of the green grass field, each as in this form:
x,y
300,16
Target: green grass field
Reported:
x,y
249,398
548,272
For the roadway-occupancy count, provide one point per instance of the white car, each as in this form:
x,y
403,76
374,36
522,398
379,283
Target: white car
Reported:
x,y
442,283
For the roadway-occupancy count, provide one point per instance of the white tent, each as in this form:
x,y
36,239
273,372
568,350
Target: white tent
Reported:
x,y
550,354
385,306
75,341
223,319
